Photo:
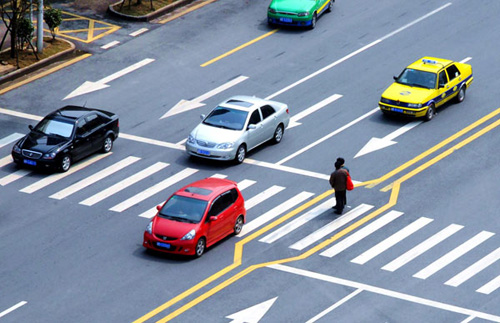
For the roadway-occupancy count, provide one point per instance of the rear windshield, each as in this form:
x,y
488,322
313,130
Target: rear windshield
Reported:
x,y
184,209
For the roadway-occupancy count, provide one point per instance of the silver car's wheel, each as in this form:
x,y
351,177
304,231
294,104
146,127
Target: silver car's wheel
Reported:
x,y
200,247
461,94
430,112
107,145
238,225
65,163
278,134
240,154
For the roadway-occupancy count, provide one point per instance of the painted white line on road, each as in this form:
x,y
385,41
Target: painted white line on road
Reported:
x,y
124,184
14,176
467,320
151,141
356,52
317,142
155,189
10,138
385,292
138,32
218,176
6,160
301,220
262,196
422,247
110,44
391,241
330,227
490,287
474,269
13,308
465,60
287,169
294,120
245,183
361,234
453,255
20,114
55,177
334,306
274,212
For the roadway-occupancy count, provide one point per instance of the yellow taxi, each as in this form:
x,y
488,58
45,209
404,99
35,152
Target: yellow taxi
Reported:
x,y
425,85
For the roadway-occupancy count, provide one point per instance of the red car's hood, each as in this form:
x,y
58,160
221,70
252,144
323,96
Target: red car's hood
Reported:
x,y
172,229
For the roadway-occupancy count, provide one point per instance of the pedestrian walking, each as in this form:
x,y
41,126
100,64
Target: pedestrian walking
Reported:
x,y
342,162
338,181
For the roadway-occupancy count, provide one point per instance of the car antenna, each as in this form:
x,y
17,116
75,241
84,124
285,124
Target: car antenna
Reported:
x,y
85,103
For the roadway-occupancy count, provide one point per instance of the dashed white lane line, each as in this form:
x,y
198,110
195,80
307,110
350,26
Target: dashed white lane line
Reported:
x,y
386,292
13,308
138,32
110,44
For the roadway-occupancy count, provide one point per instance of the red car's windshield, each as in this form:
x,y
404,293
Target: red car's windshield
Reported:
x,y
183,209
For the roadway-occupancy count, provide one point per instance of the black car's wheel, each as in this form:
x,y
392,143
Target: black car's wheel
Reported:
x,y
461,94
240,154
200,247
65,163
107,145
238,225
431,111
278,134
313,21
330,5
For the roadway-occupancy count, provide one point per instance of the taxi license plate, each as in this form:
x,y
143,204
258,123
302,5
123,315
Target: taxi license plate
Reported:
x,y
397,110
203,152
29,162
164,245
286,19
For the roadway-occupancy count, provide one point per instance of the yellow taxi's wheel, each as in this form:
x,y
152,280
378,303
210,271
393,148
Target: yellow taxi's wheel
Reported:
x,y
431,111
461,94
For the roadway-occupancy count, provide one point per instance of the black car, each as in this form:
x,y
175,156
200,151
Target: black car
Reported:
x,y
65,136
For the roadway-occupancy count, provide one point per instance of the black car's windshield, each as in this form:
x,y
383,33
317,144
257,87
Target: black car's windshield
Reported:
x,y
227,118
55,127
183,209
417,78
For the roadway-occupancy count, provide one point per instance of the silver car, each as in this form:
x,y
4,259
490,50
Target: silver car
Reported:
x,y
236,126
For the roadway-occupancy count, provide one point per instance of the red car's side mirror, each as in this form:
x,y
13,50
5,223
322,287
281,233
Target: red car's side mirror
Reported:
x,y
158,207
213,218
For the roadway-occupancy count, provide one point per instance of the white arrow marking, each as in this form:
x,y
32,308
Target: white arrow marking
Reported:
x,y
294,120
89,86
252,314
185,105
379,143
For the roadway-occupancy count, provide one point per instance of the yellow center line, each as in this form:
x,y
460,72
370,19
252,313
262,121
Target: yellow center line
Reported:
x,y
238,48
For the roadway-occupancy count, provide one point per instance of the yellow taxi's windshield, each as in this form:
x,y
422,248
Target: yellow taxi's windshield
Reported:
x,y
413,77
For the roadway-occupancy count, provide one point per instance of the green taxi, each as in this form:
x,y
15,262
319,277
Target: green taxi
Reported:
x,y
425,85
302,13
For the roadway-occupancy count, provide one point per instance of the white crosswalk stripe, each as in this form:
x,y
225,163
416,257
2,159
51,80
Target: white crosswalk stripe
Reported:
x,y
308,216
262,196
124,184
14,176
453,255
490,287
55,177
473,269
5,161
391,241
10,138
157,188
332,226
361,234
274,212
422,247
245,184
94,178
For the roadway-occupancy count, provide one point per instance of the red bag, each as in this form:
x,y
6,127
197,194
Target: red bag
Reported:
x,y
350,185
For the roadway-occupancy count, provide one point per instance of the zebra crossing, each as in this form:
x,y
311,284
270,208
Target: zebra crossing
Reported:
x,y
303,239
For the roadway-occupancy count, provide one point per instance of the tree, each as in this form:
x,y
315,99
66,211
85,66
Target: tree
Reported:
x,y
53,18
12,12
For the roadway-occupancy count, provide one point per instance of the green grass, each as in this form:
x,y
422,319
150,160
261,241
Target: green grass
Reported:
x,y
27,58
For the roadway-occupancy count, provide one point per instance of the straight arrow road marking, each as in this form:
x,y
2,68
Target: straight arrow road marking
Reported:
x,y
89,86
294,120
185,105
380,143
252,314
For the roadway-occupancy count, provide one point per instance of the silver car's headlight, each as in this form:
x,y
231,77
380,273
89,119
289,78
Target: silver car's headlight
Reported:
x,y
225,145
303,14
190,235
414,105
149,228
190,139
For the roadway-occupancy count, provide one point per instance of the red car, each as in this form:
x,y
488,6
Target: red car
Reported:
x,y
196,216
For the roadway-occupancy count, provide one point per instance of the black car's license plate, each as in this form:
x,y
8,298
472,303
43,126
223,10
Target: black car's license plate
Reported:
x,y
163,245
29,162
397,110
203,152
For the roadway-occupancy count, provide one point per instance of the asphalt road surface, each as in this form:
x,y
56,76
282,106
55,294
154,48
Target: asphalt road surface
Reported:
x,y
418,243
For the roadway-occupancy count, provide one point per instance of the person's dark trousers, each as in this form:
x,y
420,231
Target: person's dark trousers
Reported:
x,y
340,201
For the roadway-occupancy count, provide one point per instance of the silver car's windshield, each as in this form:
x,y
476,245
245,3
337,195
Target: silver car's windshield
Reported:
x,y
417,78
55,127
227,118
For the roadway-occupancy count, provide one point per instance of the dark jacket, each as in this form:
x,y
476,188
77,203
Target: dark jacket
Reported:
x,y
338,180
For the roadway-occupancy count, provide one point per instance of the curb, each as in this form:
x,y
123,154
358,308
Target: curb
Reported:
x,y
38,65
150,16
